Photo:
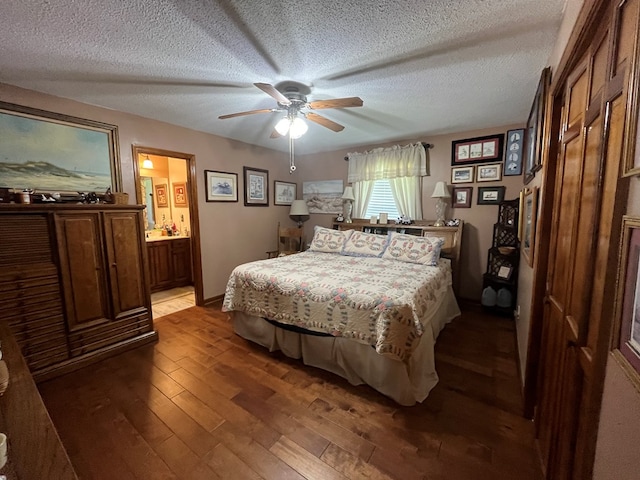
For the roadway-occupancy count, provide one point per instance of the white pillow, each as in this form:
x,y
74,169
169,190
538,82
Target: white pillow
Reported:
x,y
328,240
362,244
413,249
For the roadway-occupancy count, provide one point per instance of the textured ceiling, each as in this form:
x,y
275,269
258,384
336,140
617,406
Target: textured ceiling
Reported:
x,y
421,67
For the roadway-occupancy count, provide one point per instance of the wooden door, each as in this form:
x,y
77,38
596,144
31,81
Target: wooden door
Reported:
x,y
585,227
123,235
82,269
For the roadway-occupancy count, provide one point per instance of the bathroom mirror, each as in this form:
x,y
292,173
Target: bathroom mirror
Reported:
x,y
156,197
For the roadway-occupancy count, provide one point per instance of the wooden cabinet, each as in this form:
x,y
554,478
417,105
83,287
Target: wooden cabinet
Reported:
x,y
73,285
169,263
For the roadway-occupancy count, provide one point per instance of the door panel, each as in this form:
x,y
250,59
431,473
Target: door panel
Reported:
x,y
82,269
126,267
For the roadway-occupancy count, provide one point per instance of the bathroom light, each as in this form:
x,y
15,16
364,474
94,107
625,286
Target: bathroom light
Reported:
x,y
147,163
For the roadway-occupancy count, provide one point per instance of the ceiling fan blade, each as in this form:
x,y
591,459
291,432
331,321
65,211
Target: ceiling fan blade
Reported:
x,y
271,90
275,134
251,112
336,103
325,122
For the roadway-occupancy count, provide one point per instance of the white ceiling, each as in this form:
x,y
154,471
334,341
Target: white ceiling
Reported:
x,y
422,68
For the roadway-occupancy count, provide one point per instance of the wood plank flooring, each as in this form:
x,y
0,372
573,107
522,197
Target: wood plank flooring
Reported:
x,y
203,403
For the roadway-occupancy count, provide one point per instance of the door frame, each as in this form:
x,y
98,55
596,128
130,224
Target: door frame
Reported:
x,y
192,198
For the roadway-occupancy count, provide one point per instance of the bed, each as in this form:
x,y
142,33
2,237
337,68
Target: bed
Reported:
x,y
366,307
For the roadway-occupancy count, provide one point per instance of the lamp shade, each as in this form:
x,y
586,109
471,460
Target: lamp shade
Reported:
x,y
299,208
298,128
441,191
348,194
282,127
147,163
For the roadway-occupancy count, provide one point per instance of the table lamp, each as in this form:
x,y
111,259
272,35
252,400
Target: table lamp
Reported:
x,y
441,193
347,206
299,212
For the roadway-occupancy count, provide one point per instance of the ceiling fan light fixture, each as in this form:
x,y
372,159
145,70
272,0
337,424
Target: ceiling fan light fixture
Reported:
x,y
282,127
298,128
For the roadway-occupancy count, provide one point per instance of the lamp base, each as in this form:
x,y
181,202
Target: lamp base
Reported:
x,y
347,207
440,210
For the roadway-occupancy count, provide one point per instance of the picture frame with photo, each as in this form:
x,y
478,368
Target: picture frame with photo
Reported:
x,y
461,197
256,187
180,194
489,173
162,199
490,195
284,193
477,150
628,295
221,186
462,174
513,152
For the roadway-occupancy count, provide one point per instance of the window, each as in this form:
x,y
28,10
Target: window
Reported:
x,y
382,201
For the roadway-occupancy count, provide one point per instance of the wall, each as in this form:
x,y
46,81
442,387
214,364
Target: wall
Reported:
x,y
479,219
231,234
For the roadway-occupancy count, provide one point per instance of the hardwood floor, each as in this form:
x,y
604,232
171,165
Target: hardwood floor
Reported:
x,y
205,404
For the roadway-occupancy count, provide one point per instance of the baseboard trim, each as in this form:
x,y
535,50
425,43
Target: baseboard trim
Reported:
x,y
211,301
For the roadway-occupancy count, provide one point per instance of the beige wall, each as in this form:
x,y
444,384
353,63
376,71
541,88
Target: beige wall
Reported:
x,y
230,233
479,219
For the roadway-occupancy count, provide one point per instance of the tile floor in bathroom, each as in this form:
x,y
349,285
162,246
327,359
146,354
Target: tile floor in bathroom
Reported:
x,y
173,300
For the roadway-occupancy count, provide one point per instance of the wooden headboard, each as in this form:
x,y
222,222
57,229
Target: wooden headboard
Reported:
x,y
452,237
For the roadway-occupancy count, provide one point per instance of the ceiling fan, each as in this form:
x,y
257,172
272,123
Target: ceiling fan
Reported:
x,y
292,99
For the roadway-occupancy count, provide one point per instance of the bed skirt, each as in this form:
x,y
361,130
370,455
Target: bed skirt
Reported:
x,y
406,383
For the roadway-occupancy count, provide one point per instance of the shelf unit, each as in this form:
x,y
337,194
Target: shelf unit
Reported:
x,y
502,266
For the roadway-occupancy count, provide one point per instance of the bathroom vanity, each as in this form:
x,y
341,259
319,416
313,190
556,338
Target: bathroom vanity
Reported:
x,y
169,262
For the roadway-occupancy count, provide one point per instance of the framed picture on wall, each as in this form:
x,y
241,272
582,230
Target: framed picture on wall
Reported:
x,y
162,200
535,128
284,193
490,195
477,150
513,152
462,197
180,194
51,152
256,187
462,174
221,186
529,214
628,296
489,173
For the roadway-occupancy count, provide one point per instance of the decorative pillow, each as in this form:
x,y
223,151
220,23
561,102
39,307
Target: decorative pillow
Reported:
x,y
328,240
413,249
362,244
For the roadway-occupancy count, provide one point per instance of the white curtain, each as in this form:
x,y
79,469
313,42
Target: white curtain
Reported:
x,y
407,193
386,163
403,166
362,193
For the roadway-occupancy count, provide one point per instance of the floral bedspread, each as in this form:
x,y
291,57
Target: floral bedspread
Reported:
x,y
381,302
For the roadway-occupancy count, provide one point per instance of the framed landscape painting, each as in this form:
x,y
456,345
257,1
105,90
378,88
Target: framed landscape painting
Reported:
x,y
50,152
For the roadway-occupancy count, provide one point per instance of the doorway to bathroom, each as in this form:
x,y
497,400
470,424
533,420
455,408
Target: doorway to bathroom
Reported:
x,y
166,183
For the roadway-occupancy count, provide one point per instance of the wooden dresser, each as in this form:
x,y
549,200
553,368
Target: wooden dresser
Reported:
x,y
73,283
